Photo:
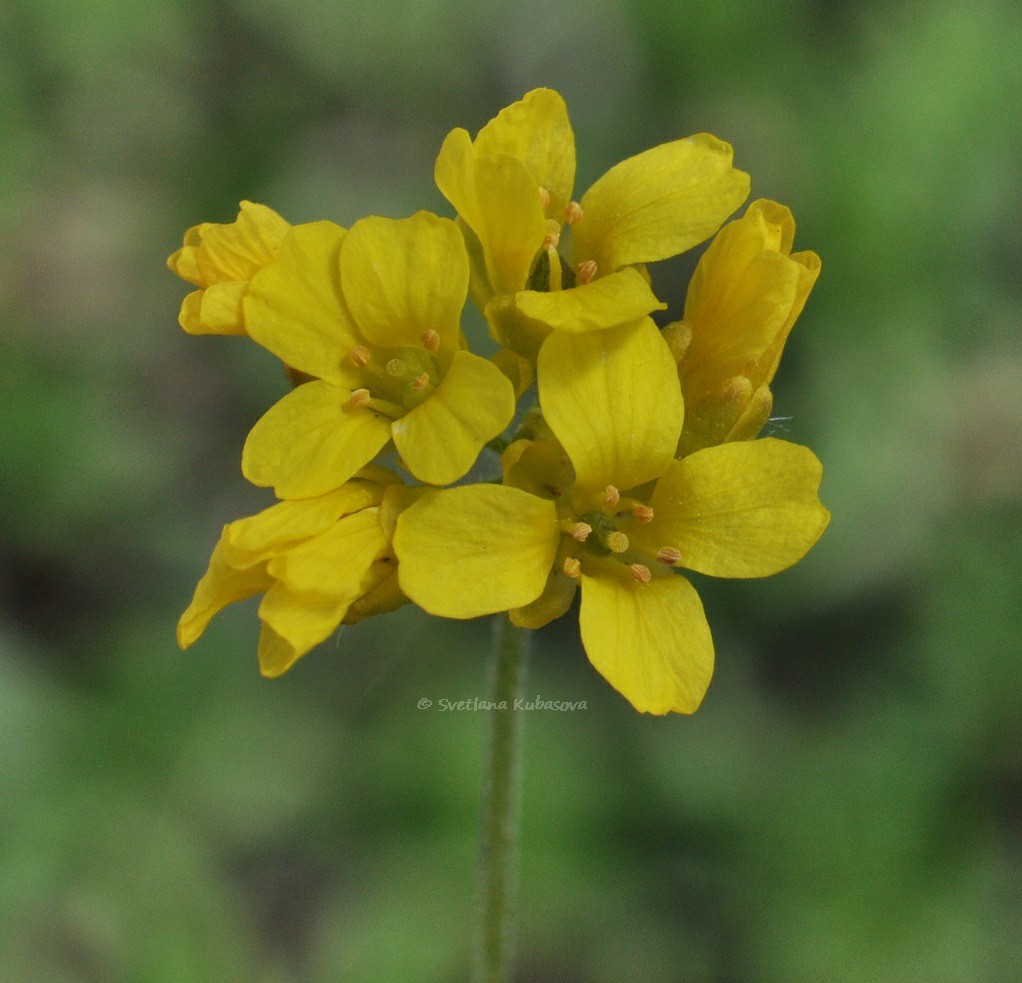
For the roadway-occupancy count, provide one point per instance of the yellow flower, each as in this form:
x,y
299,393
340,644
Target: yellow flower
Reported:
x,y
742,301
221,260
608,507
374,315
319,561
512,189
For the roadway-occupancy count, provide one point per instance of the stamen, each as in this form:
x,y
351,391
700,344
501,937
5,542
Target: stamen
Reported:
x,y
617,542
668,555
553,233
611,496
396,367
572,567
544,197
573,212
640,573
360,356
586,271
581,531
431,340
359,397
421,382
642,512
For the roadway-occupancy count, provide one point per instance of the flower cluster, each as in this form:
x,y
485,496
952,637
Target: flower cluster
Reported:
x,y
640,457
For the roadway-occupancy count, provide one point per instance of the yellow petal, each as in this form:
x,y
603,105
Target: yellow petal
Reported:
x,y
499,201
557,595
536,131
236,251
294,624
382,596
335,562
659,203
222,584
745,509
519,371
294,307
259,537
650,641
476,549
440,439
311,442
604,303
612,399
404,277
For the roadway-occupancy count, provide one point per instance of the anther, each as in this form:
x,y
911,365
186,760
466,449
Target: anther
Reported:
x,y
668,555
396,367
573,212
611,496
642,512
586,271
431,340
553,233
572,567
581,531
640,573
359,397
617,542
544,197
420,382
360,355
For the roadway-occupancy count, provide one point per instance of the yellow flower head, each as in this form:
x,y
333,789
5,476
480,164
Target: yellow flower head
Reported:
x,y
319,561
373,314
742,302
512,188
221,260
606,506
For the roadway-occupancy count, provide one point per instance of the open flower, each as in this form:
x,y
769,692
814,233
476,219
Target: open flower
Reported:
x,y
512,188
373,314
742,302
221,260
319,561
606,506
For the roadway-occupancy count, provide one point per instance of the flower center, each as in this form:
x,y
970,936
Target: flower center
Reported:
x,y
394,380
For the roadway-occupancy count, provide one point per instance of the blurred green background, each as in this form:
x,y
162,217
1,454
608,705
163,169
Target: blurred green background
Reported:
x,y
847,805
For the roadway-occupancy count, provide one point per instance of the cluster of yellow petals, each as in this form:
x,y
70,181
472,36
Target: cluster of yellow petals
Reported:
x,y
641,457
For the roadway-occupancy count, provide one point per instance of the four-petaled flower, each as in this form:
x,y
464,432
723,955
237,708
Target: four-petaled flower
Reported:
x,y
619,521
512,189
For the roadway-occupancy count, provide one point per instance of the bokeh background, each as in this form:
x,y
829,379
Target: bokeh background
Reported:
x,y
847,805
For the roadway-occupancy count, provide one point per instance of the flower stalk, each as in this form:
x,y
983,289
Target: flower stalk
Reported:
x,y
502,797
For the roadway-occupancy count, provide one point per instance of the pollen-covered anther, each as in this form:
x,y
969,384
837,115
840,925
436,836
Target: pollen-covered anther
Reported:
x,y
581,531
360,356
572,212
641,573
617,542
544,197
396,367
611,496
553,233
643,513
586,271
431,340
572,567
668,555
359,397
421,382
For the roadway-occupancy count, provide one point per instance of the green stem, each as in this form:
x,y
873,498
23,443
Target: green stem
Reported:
x,y
499,855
